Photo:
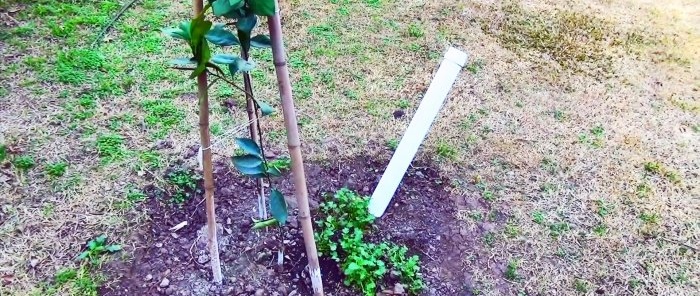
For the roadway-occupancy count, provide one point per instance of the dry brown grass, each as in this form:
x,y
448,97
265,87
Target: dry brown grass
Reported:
x,y
535,94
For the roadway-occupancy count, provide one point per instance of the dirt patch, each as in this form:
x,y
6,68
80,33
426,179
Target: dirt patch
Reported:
x,y
166,262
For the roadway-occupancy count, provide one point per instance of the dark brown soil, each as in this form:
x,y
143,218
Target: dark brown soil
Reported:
x,y
167,262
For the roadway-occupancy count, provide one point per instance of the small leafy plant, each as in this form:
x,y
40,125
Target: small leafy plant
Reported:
x,y
365,265
184,183
97,247
24,162
56,169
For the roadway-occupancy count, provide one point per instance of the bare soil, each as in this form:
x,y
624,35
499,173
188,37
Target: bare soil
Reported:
x,y
167,262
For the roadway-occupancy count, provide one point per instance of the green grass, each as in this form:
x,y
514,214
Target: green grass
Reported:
x,y
392,144
600,229
110,147
74,65
56,169
445,151
415,30
643,190
558,228
162,113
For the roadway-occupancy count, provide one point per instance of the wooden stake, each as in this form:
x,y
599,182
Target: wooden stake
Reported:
x,y
294,145
202,94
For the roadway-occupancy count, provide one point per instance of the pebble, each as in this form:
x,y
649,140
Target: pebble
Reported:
x,y
149,277
170,291
164,283
259,292
159,245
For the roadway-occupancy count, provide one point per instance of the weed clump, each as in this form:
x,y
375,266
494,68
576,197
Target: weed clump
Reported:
x,y
366,265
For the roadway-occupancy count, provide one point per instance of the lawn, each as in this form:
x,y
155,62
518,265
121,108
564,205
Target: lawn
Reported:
x,y
568,151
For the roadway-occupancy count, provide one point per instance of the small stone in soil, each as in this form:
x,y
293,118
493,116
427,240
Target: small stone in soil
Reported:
x,y
164,283
149,277
259,292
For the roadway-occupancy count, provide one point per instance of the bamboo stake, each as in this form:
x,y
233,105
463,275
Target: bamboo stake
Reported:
x,y
294,145
202,94
252,118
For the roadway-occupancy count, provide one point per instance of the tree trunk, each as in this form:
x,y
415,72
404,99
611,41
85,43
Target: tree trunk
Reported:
x,y
202,94
253,127
294,144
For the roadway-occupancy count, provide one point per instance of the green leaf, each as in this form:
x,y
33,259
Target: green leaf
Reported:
x,y
278,206
223,7
261,41
265,109
247,161
83,255
101,239
246,24
199,45
241,65
114,248
220,36
176,33
262,7
249,146
225,59
254,172
273,171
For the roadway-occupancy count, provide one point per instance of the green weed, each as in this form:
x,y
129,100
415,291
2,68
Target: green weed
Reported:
x,y
73,65
97,247
643,190
415,30
110,147
512,270
281,164
557,229
475,66
392,144
600,229
650,218
512,230
445,151
56,169
365,265
489,239
581,286
24,162
603,208
538,217
184,183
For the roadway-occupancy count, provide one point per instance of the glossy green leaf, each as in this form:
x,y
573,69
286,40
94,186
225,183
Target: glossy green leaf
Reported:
x,y
91,245
249,147
261,41
199,45
225,59
278,206
241,65
177,33
255,172
262,7
265,109
220,36
221,7
246,24
248,161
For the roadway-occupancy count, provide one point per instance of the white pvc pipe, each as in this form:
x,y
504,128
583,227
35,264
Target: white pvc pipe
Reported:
x,y
429,107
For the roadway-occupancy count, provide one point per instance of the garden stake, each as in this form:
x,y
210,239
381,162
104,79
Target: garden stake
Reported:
x,y
202,94
293,143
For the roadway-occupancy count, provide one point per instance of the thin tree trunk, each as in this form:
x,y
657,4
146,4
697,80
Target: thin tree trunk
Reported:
x,y
294,144
252,118
203,96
